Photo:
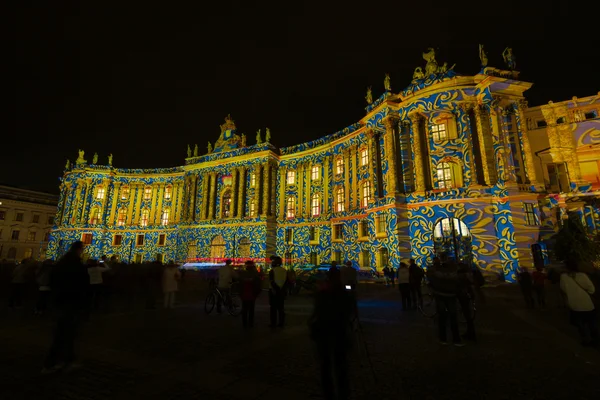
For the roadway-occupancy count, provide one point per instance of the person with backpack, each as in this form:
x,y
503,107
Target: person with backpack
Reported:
x,y
578,289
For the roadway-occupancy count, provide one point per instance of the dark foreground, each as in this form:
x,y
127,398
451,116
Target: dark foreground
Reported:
x,y
185,354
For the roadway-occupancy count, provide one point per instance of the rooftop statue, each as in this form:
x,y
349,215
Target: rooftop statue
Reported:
x,y
387,84
110,159
268,136
243,140
432,66
95,159
483,56
68,164
195,150
418,74
80,159
189,151
209,148
228,125
258,139
509,59
369,96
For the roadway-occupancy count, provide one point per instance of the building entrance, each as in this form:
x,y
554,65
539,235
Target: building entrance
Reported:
x,y
452,240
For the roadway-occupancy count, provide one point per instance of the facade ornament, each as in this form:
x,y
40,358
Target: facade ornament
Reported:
x,y
509,58
258,139
369,96
268,136
418,74
228,125
95,159
195,150
209,148
483,57
243,140
189,151
387,83
68,164
110,156
80,159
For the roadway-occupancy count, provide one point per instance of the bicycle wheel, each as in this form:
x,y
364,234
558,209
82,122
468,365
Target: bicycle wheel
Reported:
x,y
209,303
235,305
428,307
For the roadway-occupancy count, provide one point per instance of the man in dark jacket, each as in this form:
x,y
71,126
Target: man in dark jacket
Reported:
x,y
69,283
445,284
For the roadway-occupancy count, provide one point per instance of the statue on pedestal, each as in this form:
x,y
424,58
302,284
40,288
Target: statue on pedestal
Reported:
x,y
387,84
209,148
68,164
110,159
509,58
189,151
95,159
80,159
483,57
195,150
268,136
369,96
432,66
243,140
258,139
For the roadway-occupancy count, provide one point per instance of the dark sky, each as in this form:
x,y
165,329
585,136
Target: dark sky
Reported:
x,y
144,80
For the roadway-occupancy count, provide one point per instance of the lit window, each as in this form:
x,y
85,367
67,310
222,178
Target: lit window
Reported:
x,y
446,175
117,240
226,207
122,217
316,205
252,208
252,179
168,192
338,232
366,193
31,236
530,216
439,132
145,217
339,166
365,258
28,253
340,205
139,240
100,192
35,219
95,218
291,207
291,177
162,239
364,156
315,172
125,193
147,192
164,218
86,238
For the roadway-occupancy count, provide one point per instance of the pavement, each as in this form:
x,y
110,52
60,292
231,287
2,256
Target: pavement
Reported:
x,y
185,354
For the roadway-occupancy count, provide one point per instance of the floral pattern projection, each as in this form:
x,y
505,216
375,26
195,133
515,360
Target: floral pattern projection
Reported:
x,y
374,193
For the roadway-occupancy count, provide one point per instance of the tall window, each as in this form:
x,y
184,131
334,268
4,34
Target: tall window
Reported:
x,y
252,208
365,258
31,236
315,172
291,207
291,177
338,232
125,193
162,239
366,193
35,219
122,217
340,205
139,240
381,223
316,205
19,217
95,218
530,217
15,234
363,228
313,234
147,192
446,174
117,240
364,156
145,217
384,257
439,132
339,166
168,192
28,253
226,210
253,179
86,238
100,192
164,218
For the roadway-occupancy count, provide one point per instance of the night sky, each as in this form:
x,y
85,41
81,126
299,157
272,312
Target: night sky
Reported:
x,y
143,80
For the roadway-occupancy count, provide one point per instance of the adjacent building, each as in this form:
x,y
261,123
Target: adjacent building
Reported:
x,y
453,165
26,219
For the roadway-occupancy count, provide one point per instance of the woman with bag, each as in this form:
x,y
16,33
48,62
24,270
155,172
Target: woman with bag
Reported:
x,y
578,289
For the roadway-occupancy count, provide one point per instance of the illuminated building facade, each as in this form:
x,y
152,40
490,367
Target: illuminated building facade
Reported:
x,y
449,165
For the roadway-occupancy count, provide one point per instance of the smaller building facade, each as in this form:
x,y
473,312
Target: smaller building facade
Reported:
x,y
26,219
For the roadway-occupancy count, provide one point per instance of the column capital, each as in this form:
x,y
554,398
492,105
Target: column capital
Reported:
x,y
390,122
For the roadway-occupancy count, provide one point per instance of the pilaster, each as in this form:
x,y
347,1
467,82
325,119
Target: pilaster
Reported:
x,y
418,173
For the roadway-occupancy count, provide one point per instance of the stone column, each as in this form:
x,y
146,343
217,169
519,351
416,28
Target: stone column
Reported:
x,y
282,189
504,114
307,193
353,198
85,188
131,199
178,200
212,196
115,201
153,210
417,154
64,194
526,152
300,186
257,190
234,190
159,208
138,202
242,189
347,156
482,146
266,189
495,114
372,160
392,177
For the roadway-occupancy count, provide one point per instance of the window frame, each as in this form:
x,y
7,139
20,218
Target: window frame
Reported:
x,y
168,192
162,239
442,180
367,194
164,216
84,237
435,132
100,192
340,200
96,216
337,232
290,177
364,156
290,207
115,236
339,166
147,193
315,172
315,205
531,218
138,242
144,221
125,192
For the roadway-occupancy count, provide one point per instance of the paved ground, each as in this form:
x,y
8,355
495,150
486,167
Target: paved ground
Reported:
x,y
185,354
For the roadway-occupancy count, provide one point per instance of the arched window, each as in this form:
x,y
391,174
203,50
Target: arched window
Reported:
x,y
316,205
145,217
164,218
366,193
448,175
291,207
340,205
147,192
100,192
339,166
252,208
168,192
95,216
226,205
125,192
122,217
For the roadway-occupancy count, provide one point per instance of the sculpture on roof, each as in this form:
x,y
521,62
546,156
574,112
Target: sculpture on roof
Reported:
x,y
189,151
80,159
68,164
209,148
483,56
268,136
369,96
418,74
432,66
509,58
243,140
258,139
228,125
110,159
387,83
95,159
195,150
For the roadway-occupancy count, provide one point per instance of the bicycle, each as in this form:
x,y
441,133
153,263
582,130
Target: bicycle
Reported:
x,y
230,300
